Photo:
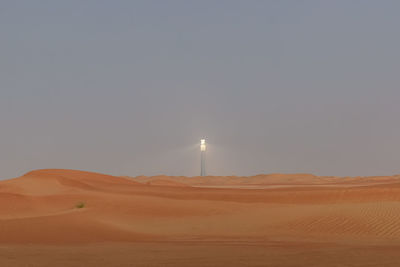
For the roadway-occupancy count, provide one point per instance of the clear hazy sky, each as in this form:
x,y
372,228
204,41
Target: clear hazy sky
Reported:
x,y
130,87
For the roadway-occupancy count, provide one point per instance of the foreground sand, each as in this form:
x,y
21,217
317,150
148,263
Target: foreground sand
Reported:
x,y
189,254
266,220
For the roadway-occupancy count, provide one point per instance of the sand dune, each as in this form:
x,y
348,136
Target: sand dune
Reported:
x,y
41,207
270,180
166,182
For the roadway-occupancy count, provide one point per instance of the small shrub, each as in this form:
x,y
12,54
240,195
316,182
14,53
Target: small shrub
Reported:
x,y
80,205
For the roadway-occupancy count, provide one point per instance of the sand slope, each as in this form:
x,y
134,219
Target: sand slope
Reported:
x,y
266,220
40,207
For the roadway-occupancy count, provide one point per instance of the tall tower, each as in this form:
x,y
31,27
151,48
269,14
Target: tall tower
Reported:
x,y
203,157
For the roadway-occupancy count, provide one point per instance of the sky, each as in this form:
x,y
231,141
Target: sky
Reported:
x,y
130,87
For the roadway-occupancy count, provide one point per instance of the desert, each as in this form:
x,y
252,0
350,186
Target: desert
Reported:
x,y
178,133
76,218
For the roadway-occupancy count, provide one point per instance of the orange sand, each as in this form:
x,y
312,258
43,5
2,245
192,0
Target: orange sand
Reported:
x,y
265,220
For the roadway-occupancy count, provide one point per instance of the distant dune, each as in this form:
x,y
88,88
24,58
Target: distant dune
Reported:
x,y
270,180
67,207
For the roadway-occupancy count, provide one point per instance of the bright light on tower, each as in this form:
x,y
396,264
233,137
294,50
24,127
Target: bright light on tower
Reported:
x,y
203,157
203,145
